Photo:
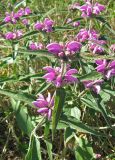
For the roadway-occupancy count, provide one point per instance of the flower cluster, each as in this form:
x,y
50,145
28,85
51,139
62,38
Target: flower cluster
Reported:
x,y
13,17
85,34
106,68
94,43
59,77
67,50
46,25
44,106
35,46
25,22
13,35
93,84
89,9
96,46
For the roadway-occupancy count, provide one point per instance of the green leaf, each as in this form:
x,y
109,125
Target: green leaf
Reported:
x,y
34,151
59,28
76,19
47,129
84,150
28,77
78,125
58,107
96,104
68,135
89,101
91,76
40,53
93,57
18,96
22,117
49,149
106,24
43,87
28,34
76,113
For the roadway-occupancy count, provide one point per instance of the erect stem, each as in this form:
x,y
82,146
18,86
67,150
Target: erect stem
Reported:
x,y
63,68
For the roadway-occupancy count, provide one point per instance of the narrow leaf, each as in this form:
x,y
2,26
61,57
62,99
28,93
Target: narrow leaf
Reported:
x,y
18,96
58,107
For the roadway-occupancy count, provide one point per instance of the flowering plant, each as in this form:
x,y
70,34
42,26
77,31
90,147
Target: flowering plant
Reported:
x,y
58,70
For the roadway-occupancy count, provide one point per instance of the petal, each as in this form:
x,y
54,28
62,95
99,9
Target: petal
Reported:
x,y
98,81
112,64
49,114
54,48
49,69
38,26
99,62
49,97
96,88
40,103
73,46
49,76
35,103
48,22
71,71
88,84
43,110
58,81
101,68
108,74
41,97
70,79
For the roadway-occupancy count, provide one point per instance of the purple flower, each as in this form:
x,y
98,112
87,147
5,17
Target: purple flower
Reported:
x,y
98,8
69,78
20,12
89,9
48,23
35,46
10,35
25,22
13,17
45,26
10,18
97,46
106,68
58,78
82,35
16,16
19,34
38,26
73,46
27,11
112,47
86,9
93,84
70,48
76,24
85,34
54,48
13,35
45,106
7,19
